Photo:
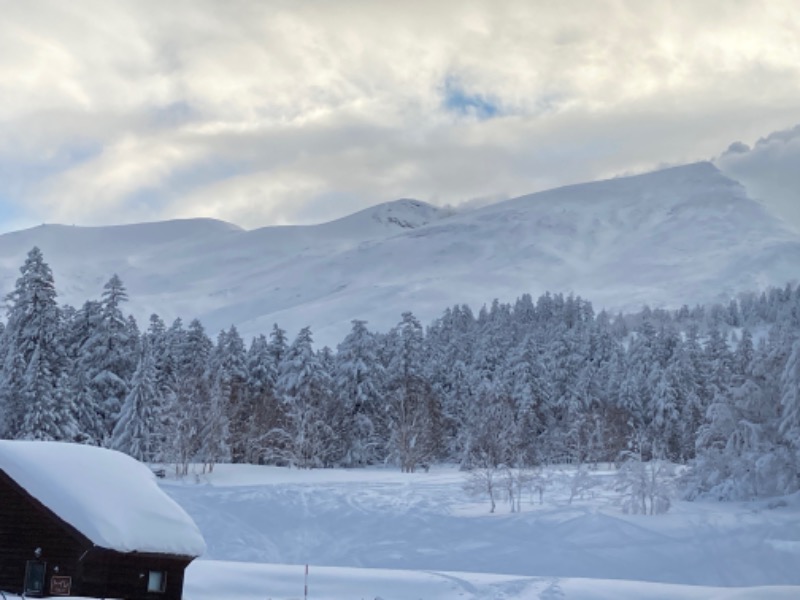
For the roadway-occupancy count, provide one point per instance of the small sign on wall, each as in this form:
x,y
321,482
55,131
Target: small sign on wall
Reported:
x,y
60,585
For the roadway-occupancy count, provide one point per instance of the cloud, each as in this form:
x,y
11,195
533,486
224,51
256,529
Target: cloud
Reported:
x,y
278,112
769,171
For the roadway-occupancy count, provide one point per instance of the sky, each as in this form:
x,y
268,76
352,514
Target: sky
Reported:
x,y
300,111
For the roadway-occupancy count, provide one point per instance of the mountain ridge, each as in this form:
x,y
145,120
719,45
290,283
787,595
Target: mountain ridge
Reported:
x,y
686,234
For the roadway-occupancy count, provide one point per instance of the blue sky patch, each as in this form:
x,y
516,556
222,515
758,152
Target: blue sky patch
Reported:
x,y
11,217
7,209
456,99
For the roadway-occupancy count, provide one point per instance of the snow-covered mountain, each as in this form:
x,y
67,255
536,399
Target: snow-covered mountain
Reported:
x,y
681,235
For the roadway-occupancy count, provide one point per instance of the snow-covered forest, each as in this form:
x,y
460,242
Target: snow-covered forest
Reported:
x,y
537,381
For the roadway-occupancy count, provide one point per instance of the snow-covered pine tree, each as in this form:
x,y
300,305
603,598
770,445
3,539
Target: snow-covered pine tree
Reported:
x,y
34,359
278,346
413,410
720,361
137,431
108,356
334,412
789,420
458,397
88,414
11,383
790,398
668,400
192,350
271,438
215,430
525,379
305,388
228,376
491,426
637,390
739,454
260,392
605,356
358,378
565,359
166,385
450,343
694,370
762,465
49,414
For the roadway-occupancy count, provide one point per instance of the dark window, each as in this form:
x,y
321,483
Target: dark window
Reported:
x,y
157,582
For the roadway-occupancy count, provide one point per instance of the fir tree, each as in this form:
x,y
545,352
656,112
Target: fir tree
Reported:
x,y
260,393
229,375
193,395
305,388
88,413
414,411
108,355
358,377
34,359
137,431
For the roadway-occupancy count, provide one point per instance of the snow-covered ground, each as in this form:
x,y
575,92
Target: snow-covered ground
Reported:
x,y
382,534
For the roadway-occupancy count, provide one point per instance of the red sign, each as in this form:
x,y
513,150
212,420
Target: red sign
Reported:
x,y
60,585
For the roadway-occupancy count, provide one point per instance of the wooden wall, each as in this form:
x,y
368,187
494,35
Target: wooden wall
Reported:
x,y
26,525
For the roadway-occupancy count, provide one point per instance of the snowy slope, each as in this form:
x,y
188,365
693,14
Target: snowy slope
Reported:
x,y
681,235
383,519
383,534
216,580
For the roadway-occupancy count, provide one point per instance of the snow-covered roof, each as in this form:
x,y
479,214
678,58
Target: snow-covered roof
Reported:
x,y
107,496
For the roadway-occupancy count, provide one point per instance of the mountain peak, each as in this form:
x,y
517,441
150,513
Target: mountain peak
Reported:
x,y
389,218
405,213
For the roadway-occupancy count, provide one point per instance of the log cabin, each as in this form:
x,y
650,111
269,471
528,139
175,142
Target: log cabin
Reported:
x,y
85,521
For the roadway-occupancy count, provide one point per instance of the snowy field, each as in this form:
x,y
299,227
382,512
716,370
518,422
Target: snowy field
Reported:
x,y
369,534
